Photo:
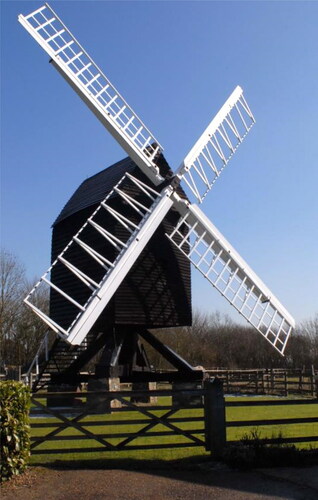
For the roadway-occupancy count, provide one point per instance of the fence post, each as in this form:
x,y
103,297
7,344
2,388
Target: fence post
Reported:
x,y
214,417
263,381
286,383
313,383
272,381
300,386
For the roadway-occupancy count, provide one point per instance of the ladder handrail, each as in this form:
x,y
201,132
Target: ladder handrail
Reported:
x,y
42,347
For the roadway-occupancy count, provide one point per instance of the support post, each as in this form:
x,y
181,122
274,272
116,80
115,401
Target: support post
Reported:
x,y
313,383
301,381
272,381
214,417
286,382
227,382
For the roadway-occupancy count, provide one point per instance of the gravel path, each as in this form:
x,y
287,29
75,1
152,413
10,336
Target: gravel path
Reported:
x,y
209,482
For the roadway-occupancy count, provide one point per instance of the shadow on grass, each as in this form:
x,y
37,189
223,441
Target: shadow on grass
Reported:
x,y
234,457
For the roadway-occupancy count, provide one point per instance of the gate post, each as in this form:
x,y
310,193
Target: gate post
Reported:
x,y
214,417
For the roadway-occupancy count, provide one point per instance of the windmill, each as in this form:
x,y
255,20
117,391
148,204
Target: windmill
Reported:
x,y
141,206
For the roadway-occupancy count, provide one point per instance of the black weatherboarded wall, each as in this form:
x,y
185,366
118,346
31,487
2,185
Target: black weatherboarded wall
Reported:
x,y
157,290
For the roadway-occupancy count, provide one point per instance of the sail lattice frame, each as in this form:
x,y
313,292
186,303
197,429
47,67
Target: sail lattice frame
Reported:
x,y
91,84
202,243
208,250
208,157
149,213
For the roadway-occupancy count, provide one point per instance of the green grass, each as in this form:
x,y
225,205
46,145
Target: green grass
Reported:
x,y
169,454
270,413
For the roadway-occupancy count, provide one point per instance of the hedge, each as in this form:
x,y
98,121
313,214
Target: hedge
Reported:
x,y
15,429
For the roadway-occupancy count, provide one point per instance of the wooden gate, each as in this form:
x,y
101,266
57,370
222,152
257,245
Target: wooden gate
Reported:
x,y
179,418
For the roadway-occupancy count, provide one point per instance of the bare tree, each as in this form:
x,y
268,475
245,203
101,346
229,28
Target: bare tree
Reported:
x,y
302,348
12,279
20,329
216,341
213,340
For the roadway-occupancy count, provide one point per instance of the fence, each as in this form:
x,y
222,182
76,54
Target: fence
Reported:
x,y
269,381
308,435
185,418
172,419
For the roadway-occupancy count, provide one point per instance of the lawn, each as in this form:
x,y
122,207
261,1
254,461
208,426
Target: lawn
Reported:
x,y
270,413
110,426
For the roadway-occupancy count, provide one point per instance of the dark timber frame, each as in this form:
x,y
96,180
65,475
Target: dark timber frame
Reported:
x,y
155,294
123,356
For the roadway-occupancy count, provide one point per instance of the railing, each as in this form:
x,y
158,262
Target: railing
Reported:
x,y
42,354
122,420
279,428
275,381
108,421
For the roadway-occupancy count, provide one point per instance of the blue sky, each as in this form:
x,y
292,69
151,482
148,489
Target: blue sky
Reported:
x,y
175,63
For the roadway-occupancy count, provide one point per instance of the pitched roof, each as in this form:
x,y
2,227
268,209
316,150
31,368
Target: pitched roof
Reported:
x,y
94,189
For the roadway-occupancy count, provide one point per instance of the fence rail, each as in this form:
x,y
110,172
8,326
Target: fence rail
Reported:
x,y
178,424
271,422
158,419
269,381
275,381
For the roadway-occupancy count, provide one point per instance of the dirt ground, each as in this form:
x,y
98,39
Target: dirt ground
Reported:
x,y
201,482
